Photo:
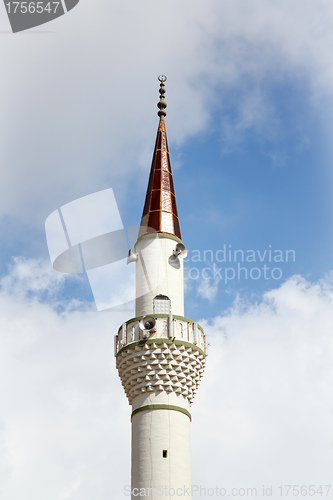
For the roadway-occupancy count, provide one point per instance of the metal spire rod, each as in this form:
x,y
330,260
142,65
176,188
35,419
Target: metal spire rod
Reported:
x,y
162,104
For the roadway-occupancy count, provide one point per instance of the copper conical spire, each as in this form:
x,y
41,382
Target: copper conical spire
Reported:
x,y
160,210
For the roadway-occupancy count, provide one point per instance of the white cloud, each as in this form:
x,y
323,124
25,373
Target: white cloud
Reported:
x,y
64,419
267,391
31,275
208,288
262,415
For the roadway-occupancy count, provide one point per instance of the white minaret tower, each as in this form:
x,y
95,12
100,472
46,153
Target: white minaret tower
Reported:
x,y
160,353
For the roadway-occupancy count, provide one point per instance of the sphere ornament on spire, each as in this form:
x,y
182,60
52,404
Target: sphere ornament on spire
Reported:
x,y
162,104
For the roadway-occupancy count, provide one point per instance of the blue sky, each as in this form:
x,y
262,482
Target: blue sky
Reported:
x,y
265,190
249,125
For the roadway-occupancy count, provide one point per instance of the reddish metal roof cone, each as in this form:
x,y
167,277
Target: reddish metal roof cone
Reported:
x,y
160,209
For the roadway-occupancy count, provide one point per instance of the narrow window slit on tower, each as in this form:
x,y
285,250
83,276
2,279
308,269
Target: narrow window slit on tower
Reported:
x,y
165,453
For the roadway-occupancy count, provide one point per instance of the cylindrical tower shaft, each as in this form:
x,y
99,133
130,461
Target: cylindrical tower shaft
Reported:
x,y
155,275
161,455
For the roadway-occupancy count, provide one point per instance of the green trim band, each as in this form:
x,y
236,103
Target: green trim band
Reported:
x,y
161,341
162,407
158,235
180,318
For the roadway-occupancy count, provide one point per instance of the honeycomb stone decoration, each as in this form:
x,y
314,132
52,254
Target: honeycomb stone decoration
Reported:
x,y
157,367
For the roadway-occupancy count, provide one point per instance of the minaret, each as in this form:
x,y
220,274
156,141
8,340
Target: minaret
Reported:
x,y
160,353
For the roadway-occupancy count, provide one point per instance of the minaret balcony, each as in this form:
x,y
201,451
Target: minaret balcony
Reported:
x,y
155,327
